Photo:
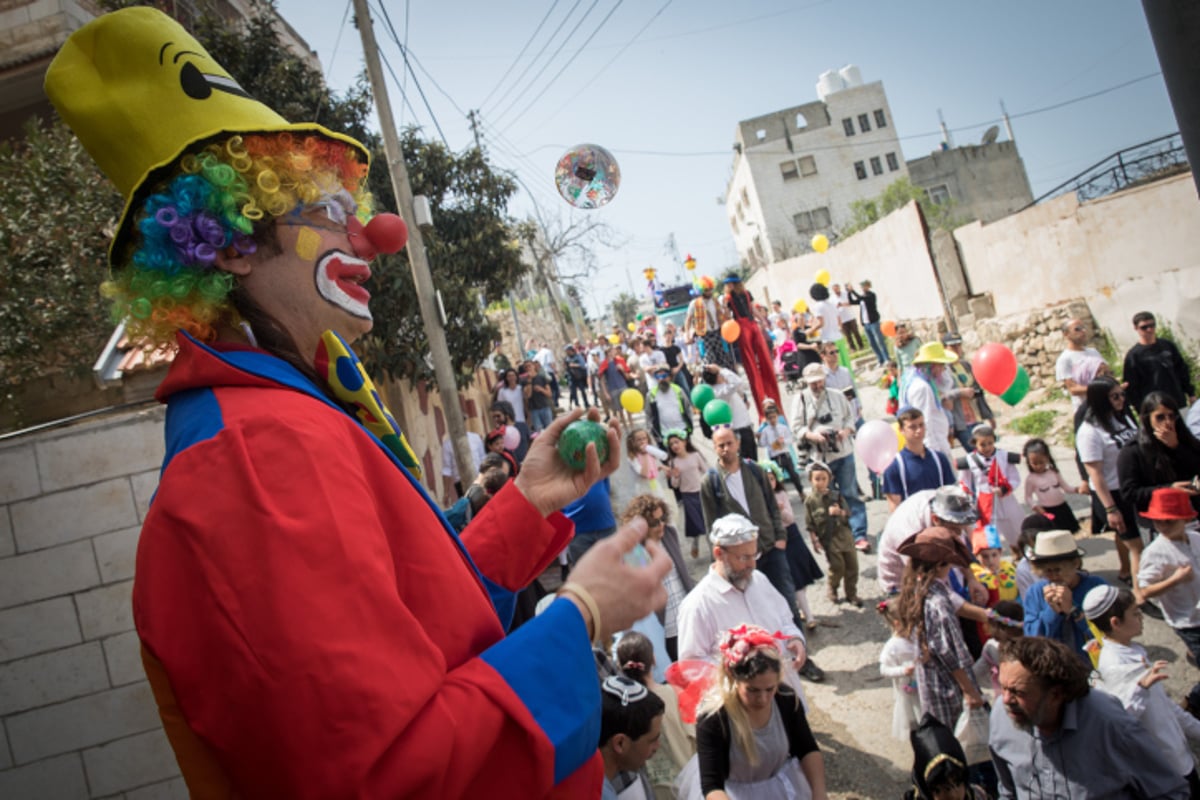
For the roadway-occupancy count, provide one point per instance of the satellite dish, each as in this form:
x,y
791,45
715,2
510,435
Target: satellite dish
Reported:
x,y
991,134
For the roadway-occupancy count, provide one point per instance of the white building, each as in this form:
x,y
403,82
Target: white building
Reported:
x,y
796,171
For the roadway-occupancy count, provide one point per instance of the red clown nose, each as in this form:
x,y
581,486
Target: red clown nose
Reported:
x,y
385,233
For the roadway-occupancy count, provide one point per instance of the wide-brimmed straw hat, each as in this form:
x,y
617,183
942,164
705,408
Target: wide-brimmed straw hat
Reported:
x,y
1054,546
935,545
934,353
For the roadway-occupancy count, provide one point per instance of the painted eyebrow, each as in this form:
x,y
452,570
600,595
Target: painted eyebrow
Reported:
x,y
182,53
162,50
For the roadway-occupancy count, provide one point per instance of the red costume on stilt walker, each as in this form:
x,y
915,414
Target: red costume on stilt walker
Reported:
x,y
756,355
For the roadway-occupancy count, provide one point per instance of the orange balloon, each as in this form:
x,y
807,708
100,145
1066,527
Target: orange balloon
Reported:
x,y
888,327
730,331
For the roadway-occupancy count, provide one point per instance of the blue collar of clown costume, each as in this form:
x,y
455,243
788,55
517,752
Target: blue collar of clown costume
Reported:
x,y
269,367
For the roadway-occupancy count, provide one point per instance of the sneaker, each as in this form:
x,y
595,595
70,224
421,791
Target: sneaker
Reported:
x,y
862,545
812,672
855,601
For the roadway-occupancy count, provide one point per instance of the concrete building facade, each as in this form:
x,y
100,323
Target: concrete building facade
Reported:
x,y
796,171
986,182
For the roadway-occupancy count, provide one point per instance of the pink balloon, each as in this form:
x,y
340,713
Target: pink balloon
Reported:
x,y
995,367
512,438
876,444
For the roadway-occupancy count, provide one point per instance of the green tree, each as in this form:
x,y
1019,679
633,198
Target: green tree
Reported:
x,y
624,308
898,194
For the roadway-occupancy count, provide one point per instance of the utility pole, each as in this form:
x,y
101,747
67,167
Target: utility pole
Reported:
x,y
438,351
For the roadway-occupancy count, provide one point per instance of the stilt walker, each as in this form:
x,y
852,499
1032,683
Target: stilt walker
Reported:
x,y
756,356
703,321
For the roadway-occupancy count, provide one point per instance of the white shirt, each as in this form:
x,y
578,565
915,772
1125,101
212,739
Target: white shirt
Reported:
x,y
1064,367
807,411
450,463
730,390
1181,603
775,438
737,488
831,329
842,378
545,357
911,516
1096,444
514,397
1121,667
715,606
846,313
668,411
919,395
1193,418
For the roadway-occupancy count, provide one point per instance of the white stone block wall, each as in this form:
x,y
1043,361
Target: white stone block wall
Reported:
x,y
77,718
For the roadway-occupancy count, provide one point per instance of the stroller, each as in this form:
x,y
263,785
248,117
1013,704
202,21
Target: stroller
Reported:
x,y
789,364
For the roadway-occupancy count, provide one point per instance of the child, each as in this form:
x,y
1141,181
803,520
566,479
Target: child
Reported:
x,y
1006,620
940,765
992,569
635,656
1048,487
891,382
644,463
1127,674
828,520
630,725
803,566
1170,572
775,436
1030,527
992,480
685,470
898,661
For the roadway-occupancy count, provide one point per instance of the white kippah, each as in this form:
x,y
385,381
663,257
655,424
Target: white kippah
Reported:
x,y
733,529
1098,600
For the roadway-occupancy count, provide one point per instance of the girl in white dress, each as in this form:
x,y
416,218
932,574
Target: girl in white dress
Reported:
x,y
898,661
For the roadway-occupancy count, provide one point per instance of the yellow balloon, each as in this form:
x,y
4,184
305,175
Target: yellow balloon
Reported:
x,y
823,277
899,436
631,327
632,401
800,307
820,243
614,339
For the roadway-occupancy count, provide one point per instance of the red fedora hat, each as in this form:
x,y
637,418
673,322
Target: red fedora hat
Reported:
x,y
1170,503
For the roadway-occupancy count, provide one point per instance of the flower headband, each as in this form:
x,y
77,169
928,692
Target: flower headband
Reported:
x,y
738,643
675,433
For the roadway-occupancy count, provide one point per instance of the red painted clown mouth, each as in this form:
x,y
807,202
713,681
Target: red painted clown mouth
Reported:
x,y
340,278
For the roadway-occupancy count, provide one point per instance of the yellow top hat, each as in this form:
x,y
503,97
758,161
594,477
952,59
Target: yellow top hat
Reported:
x,y
139,91
934,353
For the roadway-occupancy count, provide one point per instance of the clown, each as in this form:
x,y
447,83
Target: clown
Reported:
x,y
756,355
310,624
703,320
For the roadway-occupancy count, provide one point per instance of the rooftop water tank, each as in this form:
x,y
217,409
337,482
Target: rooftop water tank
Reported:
x,y
828,83
850,75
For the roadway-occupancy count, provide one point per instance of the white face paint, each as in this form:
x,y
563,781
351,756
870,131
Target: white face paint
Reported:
x,y
339,278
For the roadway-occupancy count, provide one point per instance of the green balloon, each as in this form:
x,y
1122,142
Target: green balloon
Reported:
x,y
1019,388
702,395
718,412
573,442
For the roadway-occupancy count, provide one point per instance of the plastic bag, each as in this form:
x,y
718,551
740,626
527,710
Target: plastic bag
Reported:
x,y
972,733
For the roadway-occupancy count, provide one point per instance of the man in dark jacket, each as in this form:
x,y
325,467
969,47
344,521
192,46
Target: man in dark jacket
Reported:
x,y
1155,364
868,311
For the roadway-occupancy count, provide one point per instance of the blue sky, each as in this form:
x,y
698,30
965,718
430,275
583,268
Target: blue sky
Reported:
x,y
663,83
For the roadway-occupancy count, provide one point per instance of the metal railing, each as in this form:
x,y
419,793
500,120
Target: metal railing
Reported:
x,y
1141,163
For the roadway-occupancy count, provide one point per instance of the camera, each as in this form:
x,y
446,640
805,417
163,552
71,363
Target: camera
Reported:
x,y
825,419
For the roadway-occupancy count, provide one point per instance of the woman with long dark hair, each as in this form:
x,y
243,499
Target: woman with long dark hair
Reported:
x,y
1107,427
1166,454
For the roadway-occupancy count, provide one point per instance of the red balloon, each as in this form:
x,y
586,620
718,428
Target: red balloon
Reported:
x,y
995,367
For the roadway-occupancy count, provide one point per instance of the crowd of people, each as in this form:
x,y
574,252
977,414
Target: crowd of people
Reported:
x,y
312,624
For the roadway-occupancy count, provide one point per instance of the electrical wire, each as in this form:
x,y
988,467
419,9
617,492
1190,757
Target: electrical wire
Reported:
x,y
329,67
517,60
534,60
403,54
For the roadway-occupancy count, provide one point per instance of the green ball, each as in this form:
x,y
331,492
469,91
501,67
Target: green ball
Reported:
x,y
702,395
718,412
573,442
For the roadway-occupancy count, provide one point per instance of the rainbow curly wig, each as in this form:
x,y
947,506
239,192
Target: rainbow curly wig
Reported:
x,y
222,198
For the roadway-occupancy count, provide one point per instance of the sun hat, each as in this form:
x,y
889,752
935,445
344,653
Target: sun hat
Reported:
x,y
952,504
934,353
1170,503
732,529
140,93
935,545
1098,600
814,371
1054,546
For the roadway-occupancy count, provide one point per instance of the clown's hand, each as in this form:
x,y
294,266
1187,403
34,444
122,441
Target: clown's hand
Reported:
x,y
547,482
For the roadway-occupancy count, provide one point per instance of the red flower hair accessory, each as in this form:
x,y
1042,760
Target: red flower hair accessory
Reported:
x,y
738,643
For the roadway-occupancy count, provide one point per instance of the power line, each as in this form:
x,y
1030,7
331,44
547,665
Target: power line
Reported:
x,y
534,60
568,63
392,72
516,60
500,115
332,56
417,83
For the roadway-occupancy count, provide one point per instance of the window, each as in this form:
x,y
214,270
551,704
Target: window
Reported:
x,y
893,164
801,122
811,221
761,134
741,211
848,126
864,123
860,169
821,219
808,166
938,194
789,171
745,196
733,224
803,222
880,119
876,166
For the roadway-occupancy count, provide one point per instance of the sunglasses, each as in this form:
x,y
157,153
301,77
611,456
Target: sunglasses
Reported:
x,y
1147,326
1116,395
